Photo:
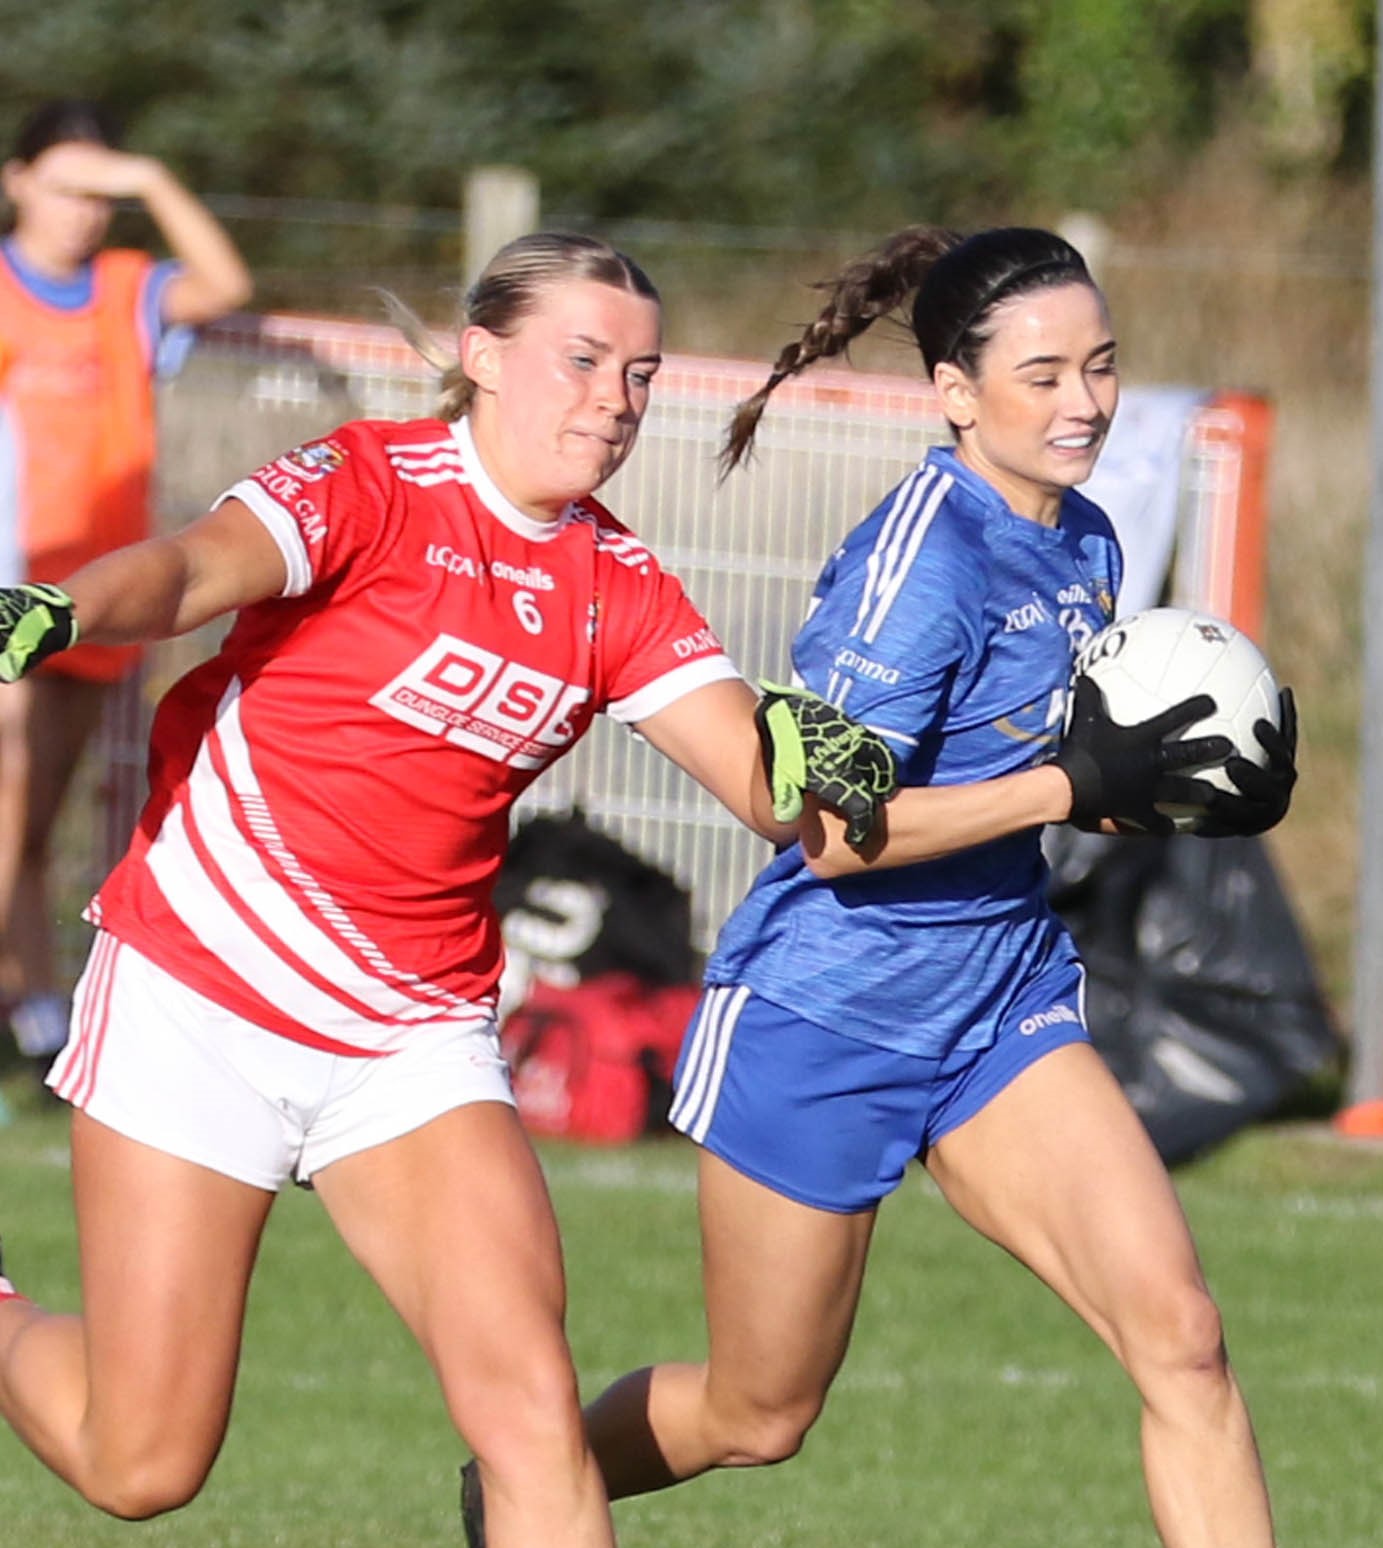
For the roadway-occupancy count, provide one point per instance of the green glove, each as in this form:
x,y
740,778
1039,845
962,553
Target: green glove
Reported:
x,y
35,621
810,745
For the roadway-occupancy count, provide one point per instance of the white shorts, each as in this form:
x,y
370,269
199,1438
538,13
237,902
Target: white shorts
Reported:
x,y
161,1064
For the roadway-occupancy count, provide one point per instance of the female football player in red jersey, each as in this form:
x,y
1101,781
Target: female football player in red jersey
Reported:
x,y
295,964
82,334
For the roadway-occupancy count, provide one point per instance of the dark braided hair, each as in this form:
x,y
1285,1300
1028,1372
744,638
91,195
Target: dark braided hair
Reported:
x,y
956,283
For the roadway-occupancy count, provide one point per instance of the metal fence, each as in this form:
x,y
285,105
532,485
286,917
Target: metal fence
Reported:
x,y
748,550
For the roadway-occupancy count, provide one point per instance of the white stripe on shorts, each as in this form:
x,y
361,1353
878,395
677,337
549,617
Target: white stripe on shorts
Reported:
x,y
704,1067
75,1069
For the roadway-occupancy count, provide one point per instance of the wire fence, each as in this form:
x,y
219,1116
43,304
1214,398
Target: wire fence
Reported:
x,y
331,255
748,550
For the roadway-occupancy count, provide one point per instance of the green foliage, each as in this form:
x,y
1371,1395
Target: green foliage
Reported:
x,y
827,113
1109,83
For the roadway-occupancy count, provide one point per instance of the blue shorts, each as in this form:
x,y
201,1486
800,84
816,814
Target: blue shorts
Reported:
x,y
831,1121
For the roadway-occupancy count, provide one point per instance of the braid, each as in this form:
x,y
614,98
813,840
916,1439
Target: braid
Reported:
x,y
866,289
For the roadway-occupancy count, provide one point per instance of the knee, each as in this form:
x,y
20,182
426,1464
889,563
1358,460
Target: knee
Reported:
x,y
137,1488
528,1410
1178,1335
755,1435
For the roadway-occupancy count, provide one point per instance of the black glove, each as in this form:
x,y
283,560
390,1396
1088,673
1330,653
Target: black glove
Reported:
x,y
35,621
1121,772
810,745
1263,795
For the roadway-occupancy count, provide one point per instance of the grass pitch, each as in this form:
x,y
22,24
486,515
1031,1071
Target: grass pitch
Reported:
x,y
973,1410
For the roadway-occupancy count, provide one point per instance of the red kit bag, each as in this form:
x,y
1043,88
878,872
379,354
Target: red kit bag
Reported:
x,y
594,1062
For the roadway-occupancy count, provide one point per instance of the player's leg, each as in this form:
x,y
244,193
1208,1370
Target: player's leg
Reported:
x,y
178,1152
453,1221
128,1401
782,1282
802,1133
63,712
14,788
1058,1169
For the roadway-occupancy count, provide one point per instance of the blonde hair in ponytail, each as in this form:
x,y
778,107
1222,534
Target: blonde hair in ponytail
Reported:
x,y
507,290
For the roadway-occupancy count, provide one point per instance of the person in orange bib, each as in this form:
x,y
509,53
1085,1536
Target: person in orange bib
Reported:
x,y
83,334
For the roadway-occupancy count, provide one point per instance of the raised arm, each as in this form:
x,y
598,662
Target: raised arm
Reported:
x,y
213,279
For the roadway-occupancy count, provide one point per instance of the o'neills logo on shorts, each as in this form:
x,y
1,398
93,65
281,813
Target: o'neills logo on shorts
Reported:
x,y
1047,1018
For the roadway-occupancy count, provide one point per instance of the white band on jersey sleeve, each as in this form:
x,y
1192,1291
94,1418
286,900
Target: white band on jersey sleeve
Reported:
x,y
281,527
670,687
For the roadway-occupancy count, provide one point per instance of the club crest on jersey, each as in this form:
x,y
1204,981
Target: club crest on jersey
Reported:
x,y
313,460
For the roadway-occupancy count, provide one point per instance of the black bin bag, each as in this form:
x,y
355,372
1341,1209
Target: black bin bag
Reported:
x,y
1201,993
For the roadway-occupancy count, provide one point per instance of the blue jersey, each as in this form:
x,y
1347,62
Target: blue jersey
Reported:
x,y
946,623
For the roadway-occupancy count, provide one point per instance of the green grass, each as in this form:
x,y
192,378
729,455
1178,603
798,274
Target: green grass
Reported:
x,y
973,1409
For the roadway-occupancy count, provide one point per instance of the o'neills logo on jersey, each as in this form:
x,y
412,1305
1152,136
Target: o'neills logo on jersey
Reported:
x,y
443,556
532,578
865,668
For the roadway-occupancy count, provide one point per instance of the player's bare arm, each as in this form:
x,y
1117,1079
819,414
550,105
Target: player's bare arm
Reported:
x,y
925,822
213,278
171,585
710,734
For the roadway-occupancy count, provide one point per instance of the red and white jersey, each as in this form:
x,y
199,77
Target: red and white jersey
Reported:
x,y
330,794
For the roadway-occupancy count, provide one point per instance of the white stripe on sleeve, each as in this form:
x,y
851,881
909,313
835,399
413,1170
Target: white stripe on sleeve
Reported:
x,y
281,527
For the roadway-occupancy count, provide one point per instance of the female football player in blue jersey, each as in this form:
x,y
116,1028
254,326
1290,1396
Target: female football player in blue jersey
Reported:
x,y
920,998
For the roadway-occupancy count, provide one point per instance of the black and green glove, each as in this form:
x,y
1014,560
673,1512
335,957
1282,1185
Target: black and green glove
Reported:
x,y
811,746
35,621
1125,772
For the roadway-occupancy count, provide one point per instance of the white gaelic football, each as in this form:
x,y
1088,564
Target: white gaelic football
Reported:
x,y
1149,661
